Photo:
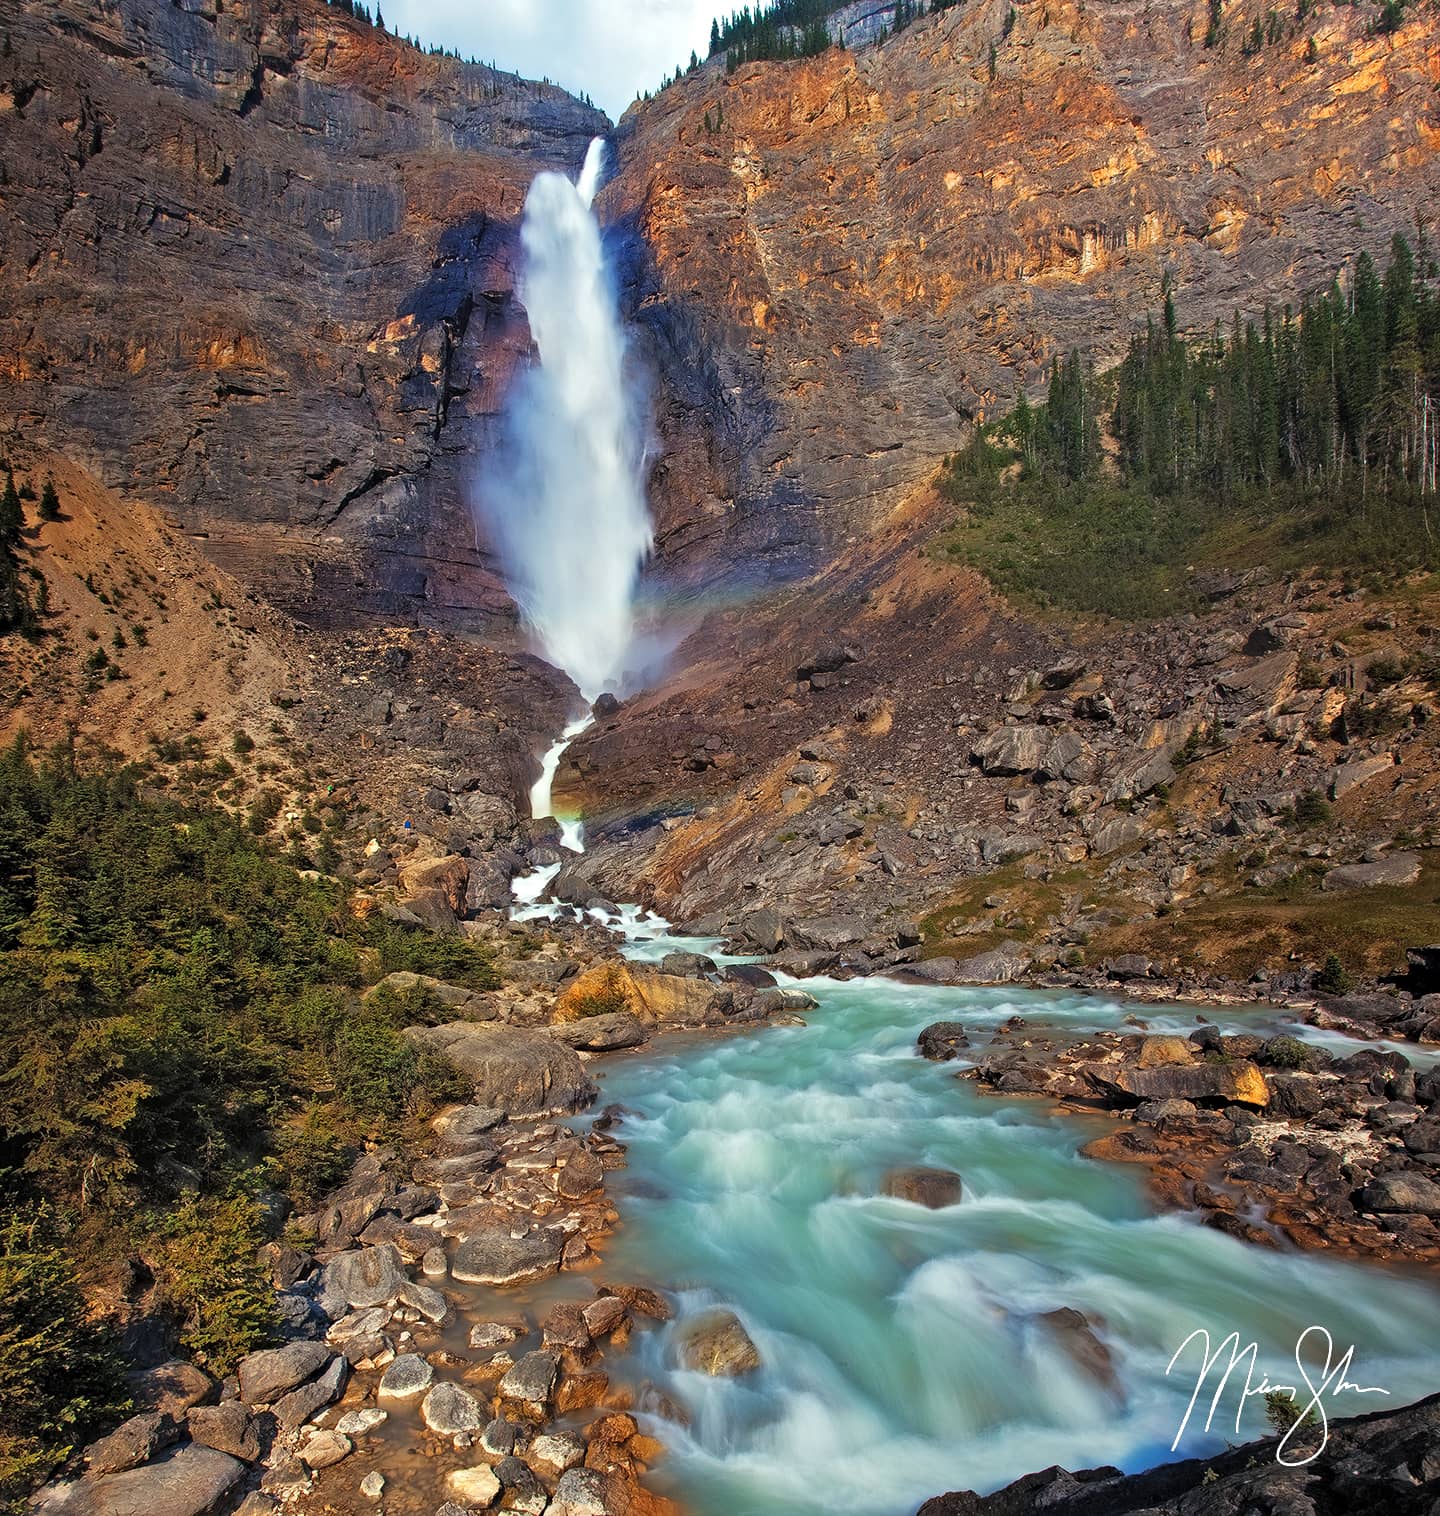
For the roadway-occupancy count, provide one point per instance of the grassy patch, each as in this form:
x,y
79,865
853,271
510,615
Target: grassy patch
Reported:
x,y
1367,930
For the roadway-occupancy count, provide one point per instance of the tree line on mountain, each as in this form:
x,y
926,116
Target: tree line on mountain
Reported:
x,y
1313,430
796,28
1337,398
187,1049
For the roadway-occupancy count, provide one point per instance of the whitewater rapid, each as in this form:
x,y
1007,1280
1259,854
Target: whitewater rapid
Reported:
x,y
907,1351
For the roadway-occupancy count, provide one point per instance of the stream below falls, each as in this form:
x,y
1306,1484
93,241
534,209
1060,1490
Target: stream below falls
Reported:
x,y
906,1351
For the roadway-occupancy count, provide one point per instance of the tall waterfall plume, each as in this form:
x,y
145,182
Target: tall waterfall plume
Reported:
x,y
566,505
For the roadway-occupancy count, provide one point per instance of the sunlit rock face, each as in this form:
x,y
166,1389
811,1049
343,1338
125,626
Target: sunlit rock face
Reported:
x,y
257,265
840,263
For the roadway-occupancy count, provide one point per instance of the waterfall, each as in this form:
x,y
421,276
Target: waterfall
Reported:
x,y
566,506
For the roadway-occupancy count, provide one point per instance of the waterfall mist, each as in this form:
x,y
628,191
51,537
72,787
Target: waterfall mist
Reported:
x,y
566,506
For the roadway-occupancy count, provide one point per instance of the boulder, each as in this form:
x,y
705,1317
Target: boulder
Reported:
x,y
603,1315
942,1040
690,964
777,1001
601,1034
406,1377
1012,749
228,1428
529,1385
584,1492
582,1175
1161,1052
828,934
641,1299
172,1387
1075,1333
133,1442
365,1277
296,1408
190,1481
267,1375
473,1005
448,1409
716,1343
1111,835
522,1073
325,1448
497,1258
477,1486
1239,1082
1345,777
555,1452
1407,1194
933,1188
1138,776
521,1491
1000,965
764,929
1395,869
751,975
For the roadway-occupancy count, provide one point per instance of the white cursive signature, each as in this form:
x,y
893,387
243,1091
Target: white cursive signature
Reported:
x,y
1333,1383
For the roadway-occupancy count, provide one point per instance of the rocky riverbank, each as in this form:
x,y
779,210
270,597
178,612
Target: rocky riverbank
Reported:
x,y
447,1344
1380,1465
1271,1140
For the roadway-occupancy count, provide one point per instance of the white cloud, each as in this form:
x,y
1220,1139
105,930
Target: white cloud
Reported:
x,y
610,49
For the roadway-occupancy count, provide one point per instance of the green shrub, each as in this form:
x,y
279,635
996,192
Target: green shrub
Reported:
x,y
61,1375
212,1278
1312,809
1286,1053
1332,978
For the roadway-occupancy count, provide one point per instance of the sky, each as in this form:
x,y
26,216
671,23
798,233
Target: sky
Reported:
x,y
609,49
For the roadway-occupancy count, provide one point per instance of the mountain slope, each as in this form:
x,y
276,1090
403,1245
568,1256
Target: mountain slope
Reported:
x,y
842,262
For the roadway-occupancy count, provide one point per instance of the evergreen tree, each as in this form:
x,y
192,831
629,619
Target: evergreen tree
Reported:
x,y
12,513
49,502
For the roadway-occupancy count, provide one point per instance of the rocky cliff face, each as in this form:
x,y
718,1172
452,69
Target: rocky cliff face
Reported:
x,y
257,266
843,262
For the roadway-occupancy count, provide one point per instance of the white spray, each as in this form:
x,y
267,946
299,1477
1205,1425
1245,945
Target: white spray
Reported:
x,y
566,507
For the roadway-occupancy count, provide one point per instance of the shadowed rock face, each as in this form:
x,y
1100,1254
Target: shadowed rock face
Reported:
x,y
257,264
842,262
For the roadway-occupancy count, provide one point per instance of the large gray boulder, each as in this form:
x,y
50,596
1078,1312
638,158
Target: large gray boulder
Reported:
x,y
1404,1194
1001,965
529,1385
601,1034
364,1277
191,1481
522,1073
1396,869
133,1442
267,1375
497,1258
1012,749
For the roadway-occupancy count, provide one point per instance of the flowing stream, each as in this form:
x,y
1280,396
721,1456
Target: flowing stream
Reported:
x,y
908,1351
